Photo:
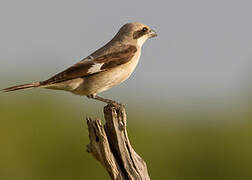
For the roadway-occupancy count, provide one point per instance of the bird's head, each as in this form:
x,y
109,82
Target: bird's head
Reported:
x,y
136,32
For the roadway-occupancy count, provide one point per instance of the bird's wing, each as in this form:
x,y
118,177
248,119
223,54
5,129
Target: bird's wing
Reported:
x,y
91,65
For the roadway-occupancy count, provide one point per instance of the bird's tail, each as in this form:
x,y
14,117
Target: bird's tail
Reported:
x,y
23,86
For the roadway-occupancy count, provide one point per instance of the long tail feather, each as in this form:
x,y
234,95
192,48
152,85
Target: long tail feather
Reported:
x,y
23,86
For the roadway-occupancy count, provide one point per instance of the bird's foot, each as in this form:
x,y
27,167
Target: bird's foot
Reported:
x,y
108,101
91,96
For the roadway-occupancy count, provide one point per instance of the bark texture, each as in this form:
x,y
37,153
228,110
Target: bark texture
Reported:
x,y
110,145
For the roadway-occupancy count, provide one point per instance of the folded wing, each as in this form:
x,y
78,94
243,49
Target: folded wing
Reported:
x,y
90,65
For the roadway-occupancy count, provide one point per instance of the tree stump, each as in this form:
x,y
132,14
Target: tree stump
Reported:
x,y
110,145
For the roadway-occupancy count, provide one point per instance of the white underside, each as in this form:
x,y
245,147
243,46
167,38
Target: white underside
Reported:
x,y
101,81
141,40
107,79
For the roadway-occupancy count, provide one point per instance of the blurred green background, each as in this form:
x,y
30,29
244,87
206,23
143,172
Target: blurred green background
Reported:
x,y
44,136
189,100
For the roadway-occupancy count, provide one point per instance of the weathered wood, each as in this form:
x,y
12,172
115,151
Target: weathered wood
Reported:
x,y
110,145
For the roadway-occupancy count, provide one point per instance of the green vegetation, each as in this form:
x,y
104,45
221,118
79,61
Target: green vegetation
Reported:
x,y
45,137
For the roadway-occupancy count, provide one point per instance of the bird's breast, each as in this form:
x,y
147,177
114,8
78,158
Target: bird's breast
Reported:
x,y
107,79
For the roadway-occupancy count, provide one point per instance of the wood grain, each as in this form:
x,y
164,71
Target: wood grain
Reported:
x,y
110,145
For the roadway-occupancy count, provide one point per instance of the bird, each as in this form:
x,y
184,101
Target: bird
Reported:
x,y
105,68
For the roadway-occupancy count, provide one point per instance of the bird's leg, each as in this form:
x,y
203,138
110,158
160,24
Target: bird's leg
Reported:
x,y
108,101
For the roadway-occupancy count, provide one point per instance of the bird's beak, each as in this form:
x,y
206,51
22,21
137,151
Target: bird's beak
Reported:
x,y
152,33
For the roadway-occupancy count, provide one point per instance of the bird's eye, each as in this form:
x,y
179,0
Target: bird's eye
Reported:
x,y
144,29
